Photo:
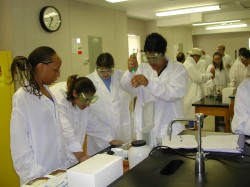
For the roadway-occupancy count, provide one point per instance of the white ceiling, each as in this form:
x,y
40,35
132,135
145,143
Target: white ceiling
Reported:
x,y
145,9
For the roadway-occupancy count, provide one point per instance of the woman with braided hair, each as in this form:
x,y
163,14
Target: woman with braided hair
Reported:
x,y
36,138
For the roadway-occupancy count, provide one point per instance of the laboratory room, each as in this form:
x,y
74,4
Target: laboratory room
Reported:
x,y
124,93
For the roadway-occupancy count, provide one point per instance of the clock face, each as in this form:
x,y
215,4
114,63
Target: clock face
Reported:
x,y
50,19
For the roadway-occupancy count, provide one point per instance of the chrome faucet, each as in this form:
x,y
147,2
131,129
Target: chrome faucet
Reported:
x,y
200,156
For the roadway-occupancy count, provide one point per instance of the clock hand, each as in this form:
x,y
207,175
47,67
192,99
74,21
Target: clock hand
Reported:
x,y
51,20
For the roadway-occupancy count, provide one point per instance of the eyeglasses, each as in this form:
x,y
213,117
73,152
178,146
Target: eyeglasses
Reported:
x,y
87,99
152,58
108,71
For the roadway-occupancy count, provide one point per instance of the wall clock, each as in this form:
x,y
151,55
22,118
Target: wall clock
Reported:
x,y
50,19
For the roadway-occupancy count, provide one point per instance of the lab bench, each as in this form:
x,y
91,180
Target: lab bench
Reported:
x,y
213,107
221,169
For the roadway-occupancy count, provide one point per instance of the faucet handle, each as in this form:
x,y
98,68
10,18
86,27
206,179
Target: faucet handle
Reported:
x,y
200,118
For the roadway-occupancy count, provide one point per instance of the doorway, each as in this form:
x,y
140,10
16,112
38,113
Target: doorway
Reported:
x,y
134,46
95,49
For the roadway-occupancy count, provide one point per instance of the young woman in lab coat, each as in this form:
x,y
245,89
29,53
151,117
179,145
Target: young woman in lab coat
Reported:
x,y
74,98
36,139
159,80
221,76
219,82
112,107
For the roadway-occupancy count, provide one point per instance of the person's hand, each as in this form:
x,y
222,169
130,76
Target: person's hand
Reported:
x,y
83,158
139,80
116,142
132,63
228,66
213,72
80,156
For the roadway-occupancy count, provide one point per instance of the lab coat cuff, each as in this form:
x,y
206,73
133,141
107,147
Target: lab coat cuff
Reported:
x,y
129,74
150,85
75,147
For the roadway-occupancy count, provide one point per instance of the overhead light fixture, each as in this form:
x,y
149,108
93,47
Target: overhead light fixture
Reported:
x,y
115,1
226,26
188,10
217,22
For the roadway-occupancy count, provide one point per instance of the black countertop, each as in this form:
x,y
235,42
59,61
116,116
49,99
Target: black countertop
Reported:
x,y
211,102
221,170
232,96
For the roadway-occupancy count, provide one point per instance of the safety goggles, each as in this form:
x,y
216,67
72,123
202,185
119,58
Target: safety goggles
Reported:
x,y
152,58
87,99
106,71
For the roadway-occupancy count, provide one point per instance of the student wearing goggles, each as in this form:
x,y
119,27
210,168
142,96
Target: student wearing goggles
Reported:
x,y
152,58
105,72
112,107
87,98
159,80
74,98
240,68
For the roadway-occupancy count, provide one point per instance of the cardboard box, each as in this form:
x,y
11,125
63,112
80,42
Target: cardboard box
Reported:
x,y
98,171
55,178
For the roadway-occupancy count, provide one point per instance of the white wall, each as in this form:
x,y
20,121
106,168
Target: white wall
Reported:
x,y
78,20
21,32
232,41
176,35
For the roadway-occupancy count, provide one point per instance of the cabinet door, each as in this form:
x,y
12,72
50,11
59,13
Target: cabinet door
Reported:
x,y
8,176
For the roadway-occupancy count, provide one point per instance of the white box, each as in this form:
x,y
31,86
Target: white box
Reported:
x,y
98,171
226,92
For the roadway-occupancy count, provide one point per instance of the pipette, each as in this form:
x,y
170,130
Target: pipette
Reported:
x,y
134,55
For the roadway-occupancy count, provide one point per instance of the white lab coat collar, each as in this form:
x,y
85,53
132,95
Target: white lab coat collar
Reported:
x,y
100,84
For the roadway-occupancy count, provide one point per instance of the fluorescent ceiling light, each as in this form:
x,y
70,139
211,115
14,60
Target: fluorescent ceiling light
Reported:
x,y
226,26
213,23
188,10
116,1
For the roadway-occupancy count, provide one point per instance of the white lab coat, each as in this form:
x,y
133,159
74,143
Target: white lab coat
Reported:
x,y
208,59
195,89
76,122
227,60
241,119
238,72
166,90
221,77
202,65
112,107
36,139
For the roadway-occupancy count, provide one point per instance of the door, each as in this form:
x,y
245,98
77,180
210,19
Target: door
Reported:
x,y
95,49
8,176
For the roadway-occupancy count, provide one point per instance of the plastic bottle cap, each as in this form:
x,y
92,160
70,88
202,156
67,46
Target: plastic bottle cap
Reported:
x,y
138,143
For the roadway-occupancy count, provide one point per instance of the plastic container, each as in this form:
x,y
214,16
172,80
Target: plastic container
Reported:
x,y
138,152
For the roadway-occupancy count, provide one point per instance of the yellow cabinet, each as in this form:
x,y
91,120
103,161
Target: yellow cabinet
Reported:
x,y
8,176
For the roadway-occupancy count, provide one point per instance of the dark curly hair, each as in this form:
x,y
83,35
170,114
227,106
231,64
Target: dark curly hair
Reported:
x,y
221,65
23,69
80,85
105,60
155,43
